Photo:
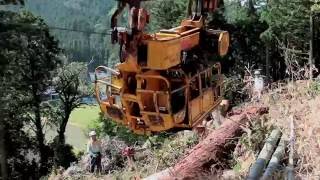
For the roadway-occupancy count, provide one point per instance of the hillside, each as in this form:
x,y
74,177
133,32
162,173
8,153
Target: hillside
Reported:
x,y
81,27
299,101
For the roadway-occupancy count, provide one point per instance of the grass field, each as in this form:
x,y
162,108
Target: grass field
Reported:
x,y
78,123
83,116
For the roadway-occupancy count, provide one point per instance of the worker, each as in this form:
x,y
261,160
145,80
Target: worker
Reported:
x,y
94,150
258,85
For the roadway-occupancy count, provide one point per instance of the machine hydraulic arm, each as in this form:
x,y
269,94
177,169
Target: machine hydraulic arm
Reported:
x,y
165,80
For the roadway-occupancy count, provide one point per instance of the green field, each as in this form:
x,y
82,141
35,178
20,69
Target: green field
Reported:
x,y
79,122
83,116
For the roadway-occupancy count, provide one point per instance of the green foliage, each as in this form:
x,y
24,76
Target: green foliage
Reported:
x,y
70,84
167,13
78,46
314,88
237,167
173,147
98,126
15,2
246,48
28,57
84,115
316,6
71,88
71,80
236,14
63,154
234,90
156,158
288,22
250,144
254,137
107,127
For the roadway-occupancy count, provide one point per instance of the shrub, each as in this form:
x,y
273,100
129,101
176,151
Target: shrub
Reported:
x,y
104,126
63,154
234,90
315,87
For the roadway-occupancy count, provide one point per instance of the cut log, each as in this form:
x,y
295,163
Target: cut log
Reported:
x,y
274,164
264,156
212,149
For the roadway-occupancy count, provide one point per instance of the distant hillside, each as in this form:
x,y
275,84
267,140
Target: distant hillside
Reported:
x,y
83,15
91,17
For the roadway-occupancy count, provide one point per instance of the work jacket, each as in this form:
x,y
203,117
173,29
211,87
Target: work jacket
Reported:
x,y
94,147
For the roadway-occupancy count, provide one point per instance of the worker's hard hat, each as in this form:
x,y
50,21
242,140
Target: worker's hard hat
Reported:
x,y
92,133
257,72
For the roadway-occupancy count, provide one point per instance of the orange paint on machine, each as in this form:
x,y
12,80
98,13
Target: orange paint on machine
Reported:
x,y
166,80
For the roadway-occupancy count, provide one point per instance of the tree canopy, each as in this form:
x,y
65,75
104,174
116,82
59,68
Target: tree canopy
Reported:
x,y
29,55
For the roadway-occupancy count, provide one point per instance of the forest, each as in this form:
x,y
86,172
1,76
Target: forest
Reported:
x,y
55,44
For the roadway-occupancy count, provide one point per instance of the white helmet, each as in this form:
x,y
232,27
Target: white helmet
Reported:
x,y
257,72
92,133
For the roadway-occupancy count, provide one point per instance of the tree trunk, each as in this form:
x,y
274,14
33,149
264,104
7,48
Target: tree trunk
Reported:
x,y
189,8
252,10
61,137
268,61
311,63
88,44
212,149
39,132
40,139
62,128
36,101
3,153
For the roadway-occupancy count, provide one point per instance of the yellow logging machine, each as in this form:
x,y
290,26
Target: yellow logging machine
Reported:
x,y
166,80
